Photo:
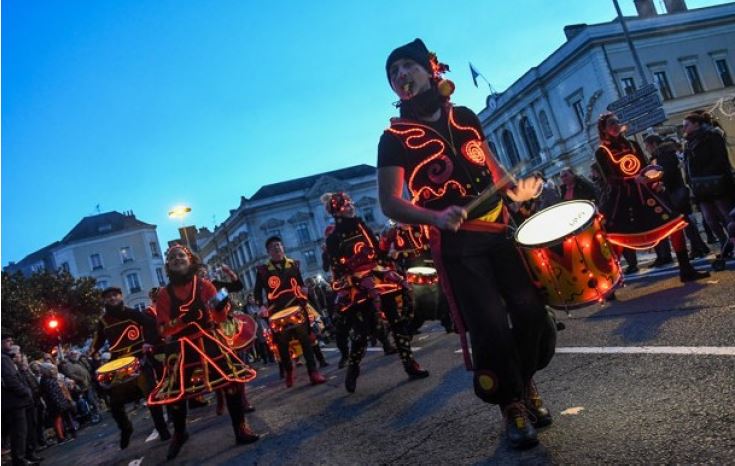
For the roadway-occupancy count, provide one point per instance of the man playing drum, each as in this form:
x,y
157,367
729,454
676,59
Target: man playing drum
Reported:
x,y
280,279
130,333
438,151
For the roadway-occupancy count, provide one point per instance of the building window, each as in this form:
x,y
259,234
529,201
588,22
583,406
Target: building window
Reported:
x,y
275,232
104,228
159,276
529,137
126,254
302,233
64,267
509,144
724,71
663,85
246,280
628,85
96,261
368,215
579,112
694,80
140,307
102,284
310,257
545,127
248,251
133,283
36,268
155,252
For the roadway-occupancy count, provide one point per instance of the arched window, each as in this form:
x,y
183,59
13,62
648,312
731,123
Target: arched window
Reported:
x,y
545,128
529,137
511,150
493,148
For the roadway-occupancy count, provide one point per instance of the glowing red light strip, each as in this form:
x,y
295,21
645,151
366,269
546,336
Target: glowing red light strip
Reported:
x,y
132,332
624,162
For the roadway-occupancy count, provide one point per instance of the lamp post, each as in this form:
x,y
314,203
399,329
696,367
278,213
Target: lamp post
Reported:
x,y
181,211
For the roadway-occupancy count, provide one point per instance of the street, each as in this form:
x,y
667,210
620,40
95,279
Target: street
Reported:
x,y
608,406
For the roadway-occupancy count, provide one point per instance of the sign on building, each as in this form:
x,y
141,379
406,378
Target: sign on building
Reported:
x,y
640,110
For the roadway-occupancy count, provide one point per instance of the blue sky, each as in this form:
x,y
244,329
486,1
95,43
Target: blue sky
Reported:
x,y
140,105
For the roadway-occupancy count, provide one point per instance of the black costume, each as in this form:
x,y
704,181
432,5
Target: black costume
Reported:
x,y
353,252
282,284
126,330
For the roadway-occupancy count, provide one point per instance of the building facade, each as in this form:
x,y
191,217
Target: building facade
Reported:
x,y
292,210
115,249
548,117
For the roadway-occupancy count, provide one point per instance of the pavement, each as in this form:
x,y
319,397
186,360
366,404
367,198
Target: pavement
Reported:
x,y
645,379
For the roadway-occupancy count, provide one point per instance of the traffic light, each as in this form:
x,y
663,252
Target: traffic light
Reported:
x,y
53,323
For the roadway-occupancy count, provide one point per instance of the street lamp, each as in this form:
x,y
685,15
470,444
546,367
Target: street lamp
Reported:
x,y
181,211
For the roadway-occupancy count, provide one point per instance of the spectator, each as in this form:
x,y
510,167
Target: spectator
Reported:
x,y
32,411
16,398
56,403
576,187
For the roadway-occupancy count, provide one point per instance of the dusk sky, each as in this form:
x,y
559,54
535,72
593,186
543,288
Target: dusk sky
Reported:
x,y
141,105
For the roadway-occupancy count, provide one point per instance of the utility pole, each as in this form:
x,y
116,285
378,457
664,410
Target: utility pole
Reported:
x,y
626,33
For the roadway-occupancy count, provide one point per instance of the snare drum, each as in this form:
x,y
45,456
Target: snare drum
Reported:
x,y
238,332
422,276
118,372
292,315
568,255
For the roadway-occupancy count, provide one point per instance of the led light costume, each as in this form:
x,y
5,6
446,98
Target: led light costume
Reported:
x,y
288,312
637,211
197,361
366,287
445,161
131,373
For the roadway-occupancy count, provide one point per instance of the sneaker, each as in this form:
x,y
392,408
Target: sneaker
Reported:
x,y
539,414
176,443
518,429
414,370
353,372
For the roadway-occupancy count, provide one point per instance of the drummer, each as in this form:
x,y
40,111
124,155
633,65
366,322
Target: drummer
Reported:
x,y
438,152
280,279
129,333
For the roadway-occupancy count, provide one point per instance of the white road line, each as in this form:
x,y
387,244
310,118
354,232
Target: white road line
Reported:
x,y
370,350
700,350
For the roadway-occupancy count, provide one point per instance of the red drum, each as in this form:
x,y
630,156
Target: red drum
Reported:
x,y
238,332
118,372
422,276
568,255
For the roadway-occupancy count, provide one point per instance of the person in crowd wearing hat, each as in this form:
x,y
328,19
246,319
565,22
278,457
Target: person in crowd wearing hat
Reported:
x,y
17,397
130,333
362,280
438,154
281,282
637,213
197,362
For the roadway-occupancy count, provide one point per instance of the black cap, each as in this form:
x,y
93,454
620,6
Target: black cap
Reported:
x,y
272,239
110,290
415,51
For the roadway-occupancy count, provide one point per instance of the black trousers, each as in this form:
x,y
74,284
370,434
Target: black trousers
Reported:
x,y
342,334
302,334
15,422
361,319
127,393
234,399
490,286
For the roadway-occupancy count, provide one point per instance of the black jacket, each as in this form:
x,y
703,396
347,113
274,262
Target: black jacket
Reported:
x,y
706,155
677,190
583,189
15,392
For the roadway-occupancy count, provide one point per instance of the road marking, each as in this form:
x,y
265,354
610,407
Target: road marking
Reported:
x,y
572,411
153,436
370,350
702,350
137,462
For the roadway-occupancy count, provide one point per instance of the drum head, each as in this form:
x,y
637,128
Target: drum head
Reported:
x,y
424,271
116,364
555,223
284,312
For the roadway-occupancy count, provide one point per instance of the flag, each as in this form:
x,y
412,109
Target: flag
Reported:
x,y
475,74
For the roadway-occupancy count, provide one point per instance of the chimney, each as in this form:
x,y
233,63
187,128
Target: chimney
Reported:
x,y
572,30
675,6
645,8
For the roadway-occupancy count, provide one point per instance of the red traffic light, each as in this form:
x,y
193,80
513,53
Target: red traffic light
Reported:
x,y
53,323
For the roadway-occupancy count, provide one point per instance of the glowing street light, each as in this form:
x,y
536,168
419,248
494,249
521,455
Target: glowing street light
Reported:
x,y
181,211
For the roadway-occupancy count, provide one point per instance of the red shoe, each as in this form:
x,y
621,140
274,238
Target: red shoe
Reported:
x,y
316,378
289,378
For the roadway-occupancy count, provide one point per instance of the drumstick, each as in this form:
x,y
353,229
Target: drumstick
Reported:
x,y
490,192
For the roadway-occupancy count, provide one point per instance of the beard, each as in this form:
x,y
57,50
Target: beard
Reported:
x,y
423,104
181,278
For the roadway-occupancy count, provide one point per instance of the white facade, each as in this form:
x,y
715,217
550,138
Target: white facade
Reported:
x,y
295,213
548,116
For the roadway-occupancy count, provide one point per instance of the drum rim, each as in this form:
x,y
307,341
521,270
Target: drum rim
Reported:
x,y
132,359
574,232
434,271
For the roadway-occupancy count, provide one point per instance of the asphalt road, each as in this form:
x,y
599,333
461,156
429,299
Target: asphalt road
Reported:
x,y
611,408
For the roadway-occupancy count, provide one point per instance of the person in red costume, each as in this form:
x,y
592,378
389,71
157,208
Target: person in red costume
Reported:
x,y
638,212
437,153
196,361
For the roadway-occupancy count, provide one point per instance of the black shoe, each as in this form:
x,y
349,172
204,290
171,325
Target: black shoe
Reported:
x,y
175,446
248,408
691,274
414,370
662,262
631,269
518,429
245,435
323,363
25,462
125,435
389,349
34,457
342,362
164,434
353,372
539,414
698,253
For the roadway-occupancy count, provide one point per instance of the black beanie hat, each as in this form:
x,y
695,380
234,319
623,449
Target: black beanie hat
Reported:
x,y
415,50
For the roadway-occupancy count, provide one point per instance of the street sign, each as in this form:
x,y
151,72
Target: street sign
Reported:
x,y
640,109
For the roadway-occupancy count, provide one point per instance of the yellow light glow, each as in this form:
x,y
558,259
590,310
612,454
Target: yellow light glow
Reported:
x,y
179,211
